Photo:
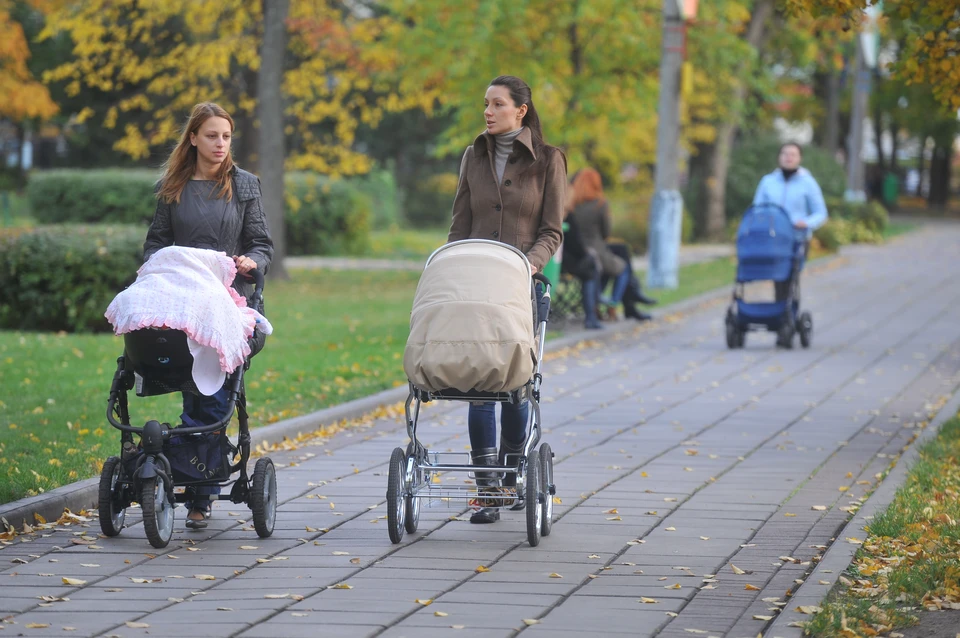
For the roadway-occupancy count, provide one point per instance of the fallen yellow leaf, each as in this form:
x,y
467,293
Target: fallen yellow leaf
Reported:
x,y
750,587
481,569
73,581
555,575
644,599
441,614
37,625
136,625
819,508
424,602
204,577
809,609
530,621
737,570
759,617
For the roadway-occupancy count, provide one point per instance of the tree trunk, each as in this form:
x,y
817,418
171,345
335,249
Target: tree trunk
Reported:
x,y
878,134
245,152
894,146
271,137
831,138
939,176
921,160
719,163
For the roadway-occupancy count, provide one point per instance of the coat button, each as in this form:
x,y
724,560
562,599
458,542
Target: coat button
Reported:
x,y
495,234
507,183
498,207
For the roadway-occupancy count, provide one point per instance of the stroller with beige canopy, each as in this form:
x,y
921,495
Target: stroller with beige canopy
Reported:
x,y
477,331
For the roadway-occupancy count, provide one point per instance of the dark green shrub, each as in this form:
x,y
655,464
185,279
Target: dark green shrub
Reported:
x,y
381,187
755,157
64,277
429,204
872,215
325,217
118,196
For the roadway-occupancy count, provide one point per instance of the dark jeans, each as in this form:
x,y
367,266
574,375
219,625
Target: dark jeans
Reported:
x,y
203,410
482,423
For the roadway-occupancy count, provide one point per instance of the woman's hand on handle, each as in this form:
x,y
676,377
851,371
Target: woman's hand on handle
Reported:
x,y
244,264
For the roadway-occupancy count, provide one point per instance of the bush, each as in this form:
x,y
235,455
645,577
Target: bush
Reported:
x,y
118,196
871,215
430,203
630,217
326,217
755,157
64,277
381,187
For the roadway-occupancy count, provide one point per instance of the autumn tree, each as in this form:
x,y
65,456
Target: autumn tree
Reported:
x,y
24,97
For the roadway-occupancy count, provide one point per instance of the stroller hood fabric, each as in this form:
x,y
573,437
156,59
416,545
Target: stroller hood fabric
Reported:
x,y
767,244
189,289
472,322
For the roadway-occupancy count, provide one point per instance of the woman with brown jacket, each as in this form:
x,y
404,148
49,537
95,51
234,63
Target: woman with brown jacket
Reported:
x,y
512,189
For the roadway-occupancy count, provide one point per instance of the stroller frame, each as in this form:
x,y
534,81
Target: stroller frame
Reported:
x,y
152,483
414,473
786,321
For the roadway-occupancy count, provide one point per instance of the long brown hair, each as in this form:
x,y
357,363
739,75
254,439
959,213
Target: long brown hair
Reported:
x,y
587,186
520,94
182,163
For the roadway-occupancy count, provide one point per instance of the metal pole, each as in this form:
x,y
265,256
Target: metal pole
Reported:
x,y
666,210
861,94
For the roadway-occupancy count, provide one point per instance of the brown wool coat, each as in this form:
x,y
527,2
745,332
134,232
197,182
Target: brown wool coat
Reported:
x,y
525,210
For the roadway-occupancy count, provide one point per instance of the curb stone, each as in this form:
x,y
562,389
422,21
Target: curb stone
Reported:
x,y
83,494
839,556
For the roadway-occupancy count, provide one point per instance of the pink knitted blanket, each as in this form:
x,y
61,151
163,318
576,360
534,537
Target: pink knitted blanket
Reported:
x,y
190,289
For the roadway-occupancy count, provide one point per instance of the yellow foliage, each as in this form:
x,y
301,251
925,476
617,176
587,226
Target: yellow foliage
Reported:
x,y
164,57
23,96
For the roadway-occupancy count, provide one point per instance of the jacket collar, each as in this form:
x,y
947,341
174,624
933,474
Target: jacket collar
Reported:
x,y
485,141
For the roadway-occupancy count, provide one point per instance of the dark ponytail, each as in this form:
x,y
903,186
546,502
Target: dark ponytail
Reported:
x,y
520,94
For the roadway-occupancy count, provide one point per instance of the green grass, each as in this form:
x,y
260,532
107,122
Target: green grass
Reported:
x,y
16,213
338,336
897,228
696,279
398,243
911,552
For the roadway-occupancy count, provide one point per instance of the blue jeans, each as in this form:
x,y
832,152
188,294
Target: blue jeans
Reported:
x,y
482,423
202,410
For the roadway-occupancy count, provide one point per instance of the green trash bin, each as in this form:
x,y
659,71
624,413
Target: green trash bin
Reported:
x,y
891,189
552,270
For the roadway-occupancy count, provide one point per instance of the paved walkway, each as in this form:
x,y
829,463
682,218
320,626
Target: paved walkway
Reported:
x,y
689,254
711,459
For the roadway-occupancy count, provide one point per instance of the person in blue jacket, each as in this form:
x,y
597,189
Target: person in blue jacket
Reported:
x,y
794,189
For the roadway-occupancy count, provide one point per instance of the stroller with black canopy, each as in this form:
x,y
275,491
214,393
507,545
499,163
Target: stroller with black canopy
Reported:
x,y
769,248
158,361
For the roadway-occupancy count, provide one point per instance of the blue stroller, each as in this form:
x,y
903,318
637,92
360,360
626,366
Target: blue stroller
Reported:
x,y
769,248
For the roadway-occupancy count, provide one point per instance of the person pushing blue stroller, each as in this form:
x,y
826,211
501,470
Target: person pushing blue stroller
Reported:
x,y
769,248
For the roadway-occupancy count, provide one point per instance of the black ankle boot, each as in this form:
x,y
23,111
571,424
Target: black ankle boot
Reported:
x,y
510,480
485,456
632,312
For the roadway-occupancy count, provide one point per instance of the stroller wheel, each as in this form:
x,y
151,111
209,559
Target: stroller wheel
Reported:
x,y
412,504
806,329
731,333
157,511
396,499
547,487
112,505
532,495
263,497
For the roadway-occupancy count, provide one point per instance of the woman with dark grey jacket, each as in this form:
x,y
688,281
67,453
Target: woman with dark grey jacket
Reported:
x,y
205,201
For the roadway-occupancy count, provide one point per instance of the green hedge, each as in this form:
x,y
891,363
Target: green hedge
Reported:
x,y
326,217
430,203
323,215
64,277
852,223
117,196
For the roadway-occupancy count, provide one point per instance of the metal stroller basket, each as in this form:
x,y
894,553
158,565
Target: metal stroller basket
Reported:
x,y
158,361
414,471
769,248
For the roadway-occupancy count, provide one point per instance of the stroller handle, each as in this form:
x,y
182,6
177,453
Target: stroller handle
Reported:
x,y
258,280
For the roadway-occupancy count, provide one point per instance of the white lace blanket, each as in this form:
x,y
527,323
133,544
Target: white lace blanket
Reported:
x,y
190,289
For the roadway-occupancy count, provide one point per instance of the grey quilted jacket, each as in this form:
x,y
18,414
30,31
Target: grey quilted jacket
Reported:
x,y
245,233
